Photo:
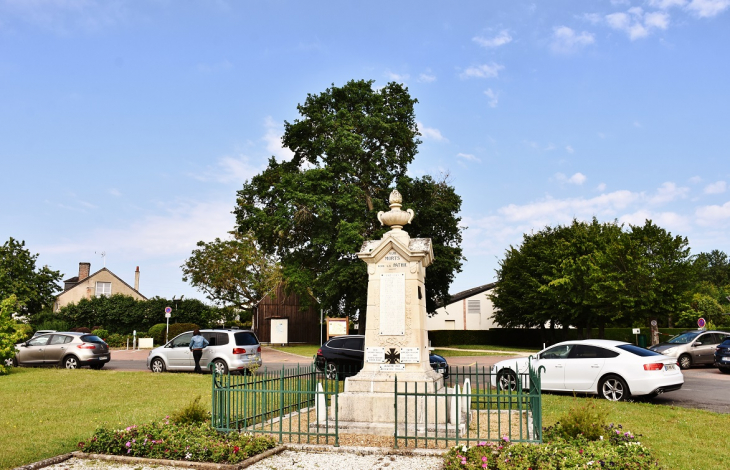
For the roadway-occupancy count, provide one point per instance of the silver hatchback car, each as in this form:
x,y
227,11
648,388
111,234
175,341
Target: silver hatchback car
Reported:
x,y
65,349
228,350
692,348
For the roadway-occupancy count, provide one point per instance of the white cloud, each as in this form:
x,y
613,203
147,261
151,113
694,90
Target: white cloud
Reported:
x,y
499,40
468,156
274,132
601,187
666,4
637,124
708,8
66,16
431,133
426,78
668,192
695,180
718,187
215,67
637,24
566,41
115,192
396,77
569,149
577,178
593,18
493,97
668,220
482,71
713,215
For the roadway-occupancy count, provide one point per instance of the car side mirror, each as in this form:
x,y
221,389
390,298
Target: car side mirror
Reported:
x,y
698,343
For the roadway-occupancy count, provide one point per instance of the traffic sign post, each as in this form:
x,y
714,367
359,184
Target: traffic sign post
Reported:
x,y
168,314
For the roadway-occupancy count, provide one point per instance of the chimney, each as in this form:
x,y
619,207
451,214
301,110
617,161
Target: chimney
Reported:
x,y
84,269
136,279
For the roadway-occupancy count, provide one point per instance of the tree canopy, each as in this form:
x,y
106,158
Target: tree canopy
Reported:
x,y
593,274
232,272
34,289
351,146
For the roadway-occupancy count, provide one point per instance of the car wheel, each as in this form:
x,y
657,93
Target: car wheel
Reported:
x,y
507,380
220,367
613,388
70,362
9,362
685,362
97,366
330,370
158,365
725,370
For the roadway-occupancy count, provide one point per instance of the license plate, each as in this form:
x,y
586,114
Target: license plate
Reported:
x,y
441,371
670,366
103,358
726,358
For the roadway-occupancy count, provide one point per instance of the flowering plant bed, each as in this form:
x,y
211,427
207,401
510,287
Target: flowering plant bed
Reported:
x,y
615,449
165,440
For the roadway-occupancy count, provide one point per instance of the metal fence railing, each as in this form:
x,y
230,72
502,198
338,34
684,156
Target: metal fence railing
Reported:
x,y
300,405
290,404
471,409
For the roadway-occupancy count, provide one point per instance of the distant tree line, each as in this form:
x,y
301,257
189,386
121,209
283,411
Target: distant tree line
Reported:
x,y
593,275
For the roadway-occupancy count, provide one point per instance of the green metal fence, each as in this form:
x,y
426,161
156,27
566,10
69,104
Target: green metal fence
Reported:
x,y
280,403
469,410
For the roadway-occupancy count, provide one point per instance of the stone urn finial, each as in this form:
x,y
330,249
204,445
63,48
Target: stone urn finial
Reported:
x,y
395,218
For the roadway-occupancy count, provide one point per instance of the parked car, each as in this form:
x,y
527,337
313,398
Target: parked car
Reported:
x,y
344,355
722,356
229,349
66,349
693,347
613,370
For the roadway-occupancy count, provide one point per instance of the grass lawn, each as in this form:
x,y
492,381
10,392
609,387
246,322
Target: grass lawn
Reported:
x,y
452,353
306,350
46,412
491,347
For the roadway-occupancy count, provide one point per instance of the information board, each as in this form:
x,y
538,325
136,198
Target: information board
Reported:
x,y
410,355
375,355
393,304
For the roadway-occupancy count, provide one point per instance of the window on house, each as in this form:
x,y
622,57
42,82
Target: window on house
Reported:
x,y
103,288
474,306
450,324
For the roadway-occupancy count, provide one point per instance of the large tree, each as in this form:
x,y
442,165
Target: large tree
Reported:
x,y
351,146
593,274
35,289
232,272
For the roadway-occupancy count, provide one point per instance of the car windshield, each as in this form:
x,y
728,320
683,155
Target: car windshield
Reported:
x,y
684,338
637,350
246,338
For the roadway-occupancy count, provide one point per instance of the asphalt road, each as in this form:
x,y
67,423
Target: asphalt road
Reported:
x,y
704,387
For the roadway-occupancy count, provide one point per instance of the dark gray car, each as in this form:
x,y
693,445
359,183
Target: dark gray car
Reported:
x,y
693,347
67,349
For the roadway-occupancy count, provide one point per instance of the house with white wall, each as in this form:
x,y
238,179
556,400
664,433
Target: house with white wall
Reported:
x,y
467,310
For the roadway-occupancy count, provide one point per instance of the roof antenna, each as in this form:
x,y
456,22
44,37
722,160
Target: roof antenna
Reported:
x,y
103,256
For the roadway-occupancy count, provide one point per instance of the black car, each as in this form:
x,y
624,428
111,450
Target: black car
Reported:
x,y
344,355
722,356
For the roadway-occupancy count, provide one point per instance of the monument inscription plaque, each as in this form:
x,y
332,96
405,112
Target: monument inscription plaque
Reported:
x,y
393,304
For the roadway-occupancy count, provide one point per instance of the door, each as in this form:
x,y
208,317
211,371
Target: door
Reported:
x,y
279,330
34,351
554,359
583,366
705,353
353,351
179,355
56,349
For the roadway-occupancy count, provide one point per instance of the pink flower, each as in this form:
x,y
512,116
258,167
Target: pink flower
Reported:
x,y
484,459
128,444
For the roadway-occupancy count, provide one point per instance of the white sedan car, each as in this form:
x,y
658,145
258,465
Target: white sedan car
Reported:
x,y
612,369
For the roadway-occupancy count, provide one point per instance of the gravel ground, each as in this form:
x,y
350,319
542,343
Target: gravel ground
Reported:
x,y
288,459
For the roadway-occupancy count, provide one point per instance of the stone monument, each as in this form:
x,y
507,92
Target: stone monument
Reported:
x,y
396,339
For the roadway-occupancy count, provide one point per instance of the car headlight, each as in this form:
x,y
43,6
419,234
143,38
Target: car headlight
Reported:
x,y
669,352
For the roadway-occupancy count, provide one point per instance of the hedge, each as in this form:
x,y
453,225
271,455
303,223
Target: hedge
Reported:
x,y
535,338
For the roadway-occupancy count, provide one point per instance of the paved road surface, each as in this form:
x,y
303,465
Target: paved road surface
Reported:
x,y
704,387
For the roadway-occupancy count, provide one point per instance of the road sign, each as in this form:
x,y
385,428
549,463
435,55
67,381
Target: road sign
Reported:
x,y
636,331
653,323
701,323
168,315
168,309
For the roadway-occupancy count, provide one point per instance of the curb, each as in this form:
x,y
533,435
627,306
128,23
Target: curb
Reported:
x,y
45,462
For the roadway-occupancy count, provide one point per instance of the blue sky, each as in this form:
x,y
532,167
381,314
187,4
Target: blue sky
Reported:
x,y
126,127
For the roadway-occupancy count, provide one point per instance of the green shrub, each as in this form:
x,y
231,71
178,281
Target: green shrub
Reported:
x,y
587,420
157,333
164,440
115,340
177,328
54,324
101,333
194,413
